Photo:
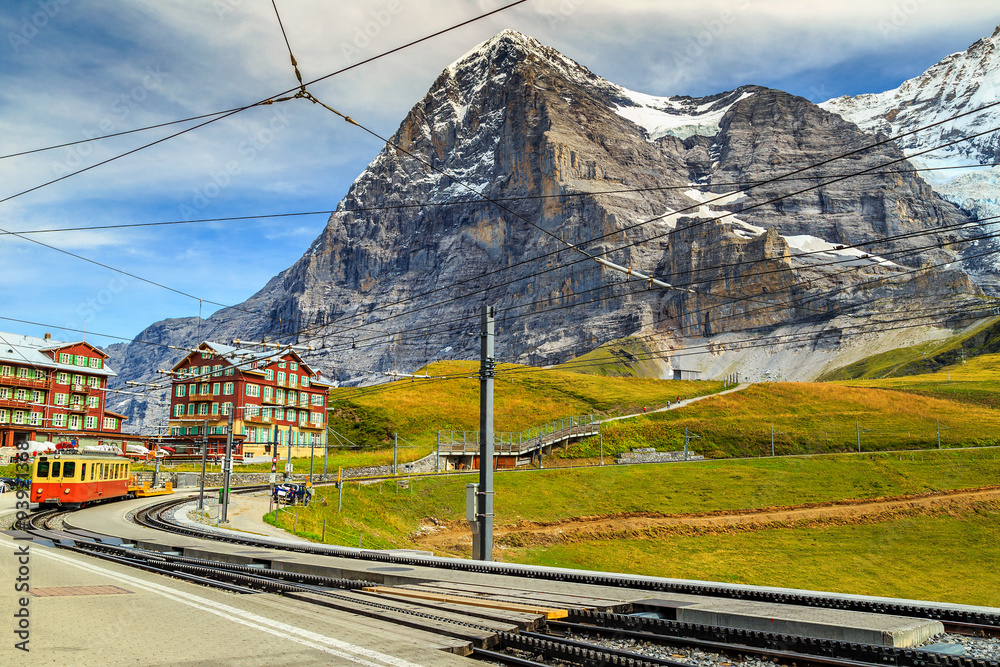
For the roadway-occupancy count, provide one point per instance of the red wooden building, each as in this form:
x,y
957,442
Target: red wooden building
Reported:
x,y
54,391
277,400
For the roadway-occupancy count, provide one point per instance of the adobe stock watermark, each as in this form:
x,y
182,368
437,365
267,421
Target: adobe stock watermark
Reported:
x,y
565,9
699,43
248,149
22,582
901,14
122,106
223,7
376,21
88,310
34,23
91,307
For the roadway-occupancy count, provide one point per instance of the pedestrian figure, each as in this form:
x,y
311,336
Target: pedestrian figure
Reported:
x,y
644,408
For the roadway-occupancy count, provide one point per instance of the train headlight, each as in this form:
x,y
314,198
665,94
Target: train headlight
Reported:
x,y
38,490
66,491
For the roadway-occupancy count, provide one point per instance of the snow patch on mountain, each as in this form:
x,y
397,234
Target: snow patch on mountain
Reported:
x,y
663,116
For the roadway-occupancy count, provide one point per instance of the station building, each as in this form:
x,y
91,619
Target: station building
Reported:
x,y
276,399
52,391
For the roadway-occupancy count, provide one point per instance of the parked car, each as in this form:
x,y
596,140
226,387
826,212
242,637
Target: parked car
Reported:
x,y
292,494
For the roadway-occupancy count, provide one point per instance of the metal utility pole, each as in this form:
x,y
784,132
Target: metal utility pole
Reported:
x,y
487,371
395,448
602,448
772,439
326,453
288,463
204,460
227,470
857,431
938,423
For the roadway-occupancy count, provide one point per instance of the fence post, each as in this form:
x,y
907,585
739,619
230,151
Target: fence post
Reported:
x,y
857,431
937,422
772,439
602,448
323,539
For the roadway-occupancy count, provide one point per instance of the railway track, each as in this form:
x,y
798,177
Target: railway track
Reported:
x,y
565,642
955,621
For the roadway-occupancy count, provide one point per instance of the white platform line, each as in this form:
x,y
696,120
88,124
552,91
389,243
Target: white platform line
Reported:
x,y
341,649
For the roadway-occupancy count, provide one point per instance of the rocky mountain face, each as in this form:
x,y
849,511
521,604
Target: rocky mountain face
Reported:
x,y
520,166
959,85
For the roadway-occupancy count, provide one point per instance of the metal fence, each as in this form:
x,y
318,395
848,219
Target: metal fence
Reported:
x,y
520,442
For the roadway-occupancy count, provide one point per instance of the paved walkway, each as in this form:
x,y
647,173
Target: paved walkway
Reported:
x,y
687,401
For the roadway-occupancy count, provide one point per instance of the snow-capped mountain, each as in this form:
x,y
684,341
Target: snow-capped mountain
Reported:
x,y
957,86
517,151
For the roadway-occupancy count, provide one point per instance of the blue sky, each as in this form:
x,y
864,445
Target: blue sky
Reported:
x,y
71,69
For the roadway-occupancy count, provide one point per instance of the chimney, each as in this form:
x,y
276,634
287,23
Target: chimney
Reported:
x,y
48,336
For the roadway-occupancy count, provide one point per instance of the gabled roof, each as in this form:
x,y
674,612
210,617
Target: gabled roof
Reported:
x,y
30,351
56,345
244,357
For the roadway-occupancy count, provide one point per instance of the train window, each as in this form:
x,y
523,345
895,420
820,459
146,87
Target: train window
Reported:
x,y
55,468
93,471
83,471
69,470
43,469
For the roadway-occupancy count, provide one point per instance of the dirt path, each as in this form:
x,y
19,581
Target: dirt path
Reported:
x,y
680,404
647,525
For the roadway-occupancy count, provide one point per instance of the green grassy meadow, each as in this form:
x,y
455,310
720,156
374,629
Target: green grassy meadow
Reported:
x,y
941,558
945,557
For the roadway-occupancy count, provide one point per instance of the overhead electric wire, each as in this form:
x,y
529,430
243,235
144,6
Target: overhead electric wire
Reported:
x,y
212,120
617,231
290,90
560,239
697,205
459,202
826,313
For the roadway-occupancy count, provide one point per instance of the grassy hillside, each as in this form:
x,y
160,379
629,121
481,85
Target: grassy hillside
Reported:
x,y
524,397
625,357
807,418
975,382
983,338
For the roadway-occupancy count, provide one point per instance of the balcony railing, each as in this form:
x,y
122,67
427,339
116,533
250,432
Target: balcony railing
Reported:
x,y
259,419
9,381
201,395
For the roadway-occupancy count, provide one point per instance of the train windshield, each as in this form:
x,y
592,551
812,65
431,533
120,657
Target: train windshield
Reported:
x,y
55,468
69,469
43,469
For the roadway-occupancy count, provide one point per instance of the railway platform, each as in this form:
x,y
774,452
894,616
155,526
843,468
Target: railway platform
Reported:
x,y
85,611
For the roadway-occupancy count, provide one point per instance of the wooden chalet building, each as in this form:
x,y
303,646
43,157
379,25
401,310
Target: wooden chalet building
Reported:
x,y
276,398
51,391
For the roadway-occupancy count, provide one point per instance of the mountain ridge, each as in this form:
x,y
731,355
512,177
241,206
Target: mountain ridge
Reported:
x,y
554,143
